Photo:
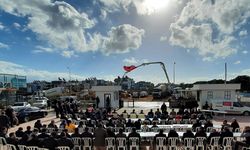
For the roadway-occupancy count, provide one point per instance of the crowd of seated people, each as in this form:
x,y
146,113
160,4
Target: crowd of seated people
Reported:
x,y
100,124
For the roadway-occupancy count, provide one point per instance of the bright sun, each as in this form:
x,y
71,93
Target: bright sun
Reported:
x,y
155,5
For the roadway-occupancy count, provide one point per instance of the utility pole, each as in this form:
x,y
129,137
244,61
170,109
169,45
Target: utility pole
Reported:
x,y
225,73
69,80
174,73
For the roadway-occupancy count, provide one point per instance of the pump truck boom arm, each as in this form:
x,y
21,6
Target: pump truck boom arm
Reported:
x,y
150,63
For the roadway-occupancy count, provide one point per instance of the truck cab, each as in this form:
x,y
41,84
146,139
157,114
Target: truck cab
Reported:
x,y
232,107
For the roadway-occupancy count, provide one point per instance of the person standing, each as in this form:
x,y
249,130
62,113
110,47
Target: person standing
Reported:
x,y
9,112
97,102
100,134
4,121
163,107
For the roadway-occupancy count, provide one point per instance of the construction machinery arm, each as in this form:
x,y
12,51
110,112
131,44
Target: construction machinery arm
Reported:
x,y
150,63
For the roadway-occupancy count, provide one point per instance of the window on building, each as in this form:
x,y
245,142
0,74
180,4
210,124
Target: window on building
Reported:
x,y
227,95
209,94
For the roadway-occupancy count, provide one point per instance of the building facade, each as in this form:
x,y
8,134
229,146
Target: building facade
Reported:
x,y
215,92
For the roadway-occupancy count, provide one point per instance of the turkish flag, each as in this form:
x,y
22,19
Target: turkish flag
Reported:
x,y
129,68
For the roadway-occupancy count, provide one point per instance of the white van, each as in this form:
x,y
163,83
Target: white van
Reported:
x,y
232,107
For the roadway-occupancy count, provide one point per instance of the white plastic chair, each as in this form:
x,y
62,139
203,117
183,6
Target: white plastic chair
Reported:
x,y
185,121
200,143
11,147
209,129
63,148
144,129
50,130
172,142
227,143
214,143
118,128
133,116
166,129
189,143
163,122
197,129
32,148
80,130
77,143
134,143
87,143
245,148
237,130
121,143
110,143
91,129
161,143
3,141
128,129
141,116
21,147
155,129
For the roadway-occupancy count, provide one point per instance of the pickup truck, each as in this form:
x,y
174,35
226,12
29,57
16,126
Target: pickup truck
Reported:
x,y
232,107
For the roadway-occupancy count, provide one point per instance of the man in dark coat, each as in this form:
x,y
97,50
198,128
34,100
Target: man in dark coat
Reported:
x,y
50,142
163,108
86,133
214,133
160,134
134,134
64,141
100,134
225,133
4,121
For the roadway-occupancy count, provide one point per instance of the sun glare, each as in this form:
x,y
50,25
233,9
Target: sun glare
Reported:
x,y
155,5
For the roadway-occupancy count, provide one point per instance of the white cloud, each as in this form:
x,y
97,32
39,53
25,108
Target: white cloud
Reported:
x,y
244,52
28,38
209,26
1,26
63,27
243,33
56,22
41,49
2,45
163,38
33,74
143,7
122,39
130,61
237,62
68,54
16,25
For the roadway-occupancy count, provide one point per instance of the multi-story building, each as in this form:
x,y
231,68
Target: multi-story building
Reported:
x,y
10,86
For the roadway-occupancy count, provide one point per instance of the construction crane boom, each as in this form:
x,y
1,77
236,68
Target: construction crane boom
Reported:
x,y
150,63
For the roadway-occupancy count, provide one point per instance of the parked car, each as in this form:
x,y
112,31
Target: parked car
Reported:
x,y
40,104
30,113
20,105
232,107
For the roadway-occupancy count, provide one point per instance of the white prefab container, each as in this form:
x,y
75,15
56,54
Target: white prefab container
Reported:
x,y
108,95
215,92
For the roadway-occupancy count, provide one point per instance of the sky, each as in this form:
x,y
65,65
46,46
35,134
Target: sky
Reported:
x,y
78,39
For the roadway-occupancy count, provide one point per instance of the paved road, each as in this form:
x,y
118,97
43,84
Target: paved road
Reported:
x,y
46,120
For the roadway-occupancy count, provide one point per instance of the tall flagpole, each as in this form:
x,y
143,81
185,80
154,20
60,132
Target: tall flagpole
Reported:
x,y
174,73
225,73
